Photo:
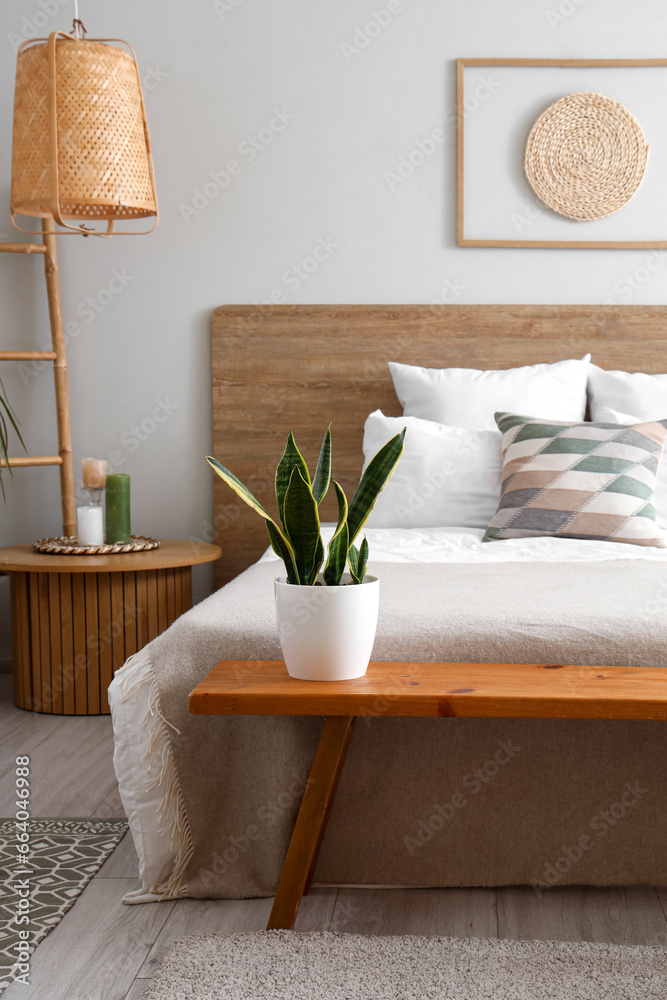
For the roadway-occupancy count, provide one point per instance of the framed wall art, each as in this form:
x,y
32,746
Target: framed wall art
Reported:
x,y
567,153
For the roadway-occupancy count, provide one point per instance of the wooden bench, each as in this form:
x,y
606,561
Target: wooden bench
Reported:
x,y
423,690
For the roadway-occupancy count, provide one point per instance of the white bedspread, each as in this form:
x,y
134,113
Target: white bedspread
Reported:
x,y
464,545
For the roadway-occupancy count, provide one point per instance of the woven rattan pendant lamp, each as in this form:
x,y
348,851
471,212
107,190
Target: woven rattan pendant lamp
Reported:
x,y
81,148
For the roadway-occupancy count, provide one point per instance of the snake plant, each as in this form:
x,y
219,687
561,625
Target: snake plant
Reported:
x,y
296,536
6,414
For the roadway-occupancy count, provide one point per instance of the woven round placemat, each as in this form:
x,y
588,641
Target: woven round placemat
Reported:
x,y
68,545
586,156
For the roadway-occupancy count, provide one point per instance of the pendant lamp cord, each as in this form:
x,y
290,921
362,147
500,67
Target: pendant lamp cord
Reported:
x,y
78,27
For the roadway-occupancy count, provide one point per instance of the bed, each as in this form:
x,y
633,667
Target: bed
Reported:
x,y
211,801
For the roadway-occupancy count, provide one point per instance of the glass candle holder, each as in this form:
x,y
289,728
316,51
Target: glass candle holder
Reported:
x,y
94,473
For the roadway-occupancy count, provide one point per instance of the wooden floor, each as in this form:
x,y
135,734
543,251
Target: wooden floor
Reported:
x,y
102,950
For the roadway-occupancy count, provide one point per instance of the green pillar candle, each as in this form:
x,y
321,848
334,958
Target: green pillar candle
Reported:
x,y
118,508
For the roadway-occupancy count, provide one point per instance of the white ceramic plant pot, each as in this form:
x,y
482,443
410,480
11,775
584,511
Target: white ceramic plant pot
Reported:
x,y
327,633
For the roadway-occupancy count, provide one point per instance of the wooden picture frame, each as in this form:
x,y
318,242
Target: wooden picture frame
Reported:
x,y
584,244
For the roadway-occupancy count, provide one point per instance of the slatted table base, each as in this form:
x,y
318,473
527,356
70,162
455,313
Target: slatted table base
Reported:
x,y
72,631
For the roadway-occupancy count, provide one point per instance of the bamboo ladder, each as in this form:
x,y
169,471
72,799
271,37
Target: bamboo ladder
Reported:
x,y
59,358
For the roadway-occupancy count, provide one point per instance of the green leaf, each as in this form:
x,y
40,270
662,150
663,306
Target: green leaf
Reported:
x,y
358,558
4,432
363,560
282,547
238,487
11,415
337,556
3,452
302,524
373,482
291,459
323,471
339,543
353,559
319,559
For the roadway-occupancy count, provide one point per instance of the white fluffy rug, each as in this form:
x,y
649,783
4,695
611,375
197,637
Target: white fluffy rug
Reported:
x,y
283,965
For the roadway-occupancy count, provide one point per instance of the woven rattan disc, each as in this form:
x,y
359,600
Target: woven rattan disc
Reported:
x,y
586,156
68,545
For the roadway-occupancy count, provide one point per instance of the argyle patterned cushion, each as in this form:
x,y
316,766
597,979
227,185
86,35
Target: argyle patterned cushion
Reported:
x,y
588,480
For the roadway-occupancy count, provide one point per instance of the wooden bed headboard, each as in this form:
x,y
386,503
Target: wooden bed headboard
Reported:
x,y
281,367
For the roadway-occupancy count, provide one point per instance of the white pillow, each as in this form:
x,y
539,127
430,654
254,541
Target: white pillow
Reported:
x,y
446,477
643,396
466,397
609,416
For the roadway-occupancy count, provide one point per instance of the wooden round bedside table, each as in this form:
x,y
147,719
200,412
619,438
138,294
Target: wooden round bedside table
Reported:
x,y
76,619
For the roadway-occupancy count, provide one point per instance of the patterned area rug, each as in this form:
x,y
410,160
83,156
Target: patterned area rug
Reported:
x,y
275,965
64,855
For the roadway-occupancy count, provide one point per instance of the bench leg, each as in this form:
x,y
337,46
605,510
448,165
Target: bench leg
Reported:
x,y
311,821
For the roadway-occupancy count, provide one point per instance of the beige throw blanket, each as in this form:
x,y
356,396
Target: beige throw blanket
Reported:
x,y
430,802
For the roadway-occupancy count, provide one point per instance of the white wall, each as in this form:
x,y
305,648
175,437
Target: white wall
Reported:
x,y
216,73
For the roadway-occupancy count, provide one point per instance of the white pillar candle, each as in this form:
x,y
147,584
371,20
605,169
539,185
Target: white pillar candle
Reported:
x,y
94,473
90,525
